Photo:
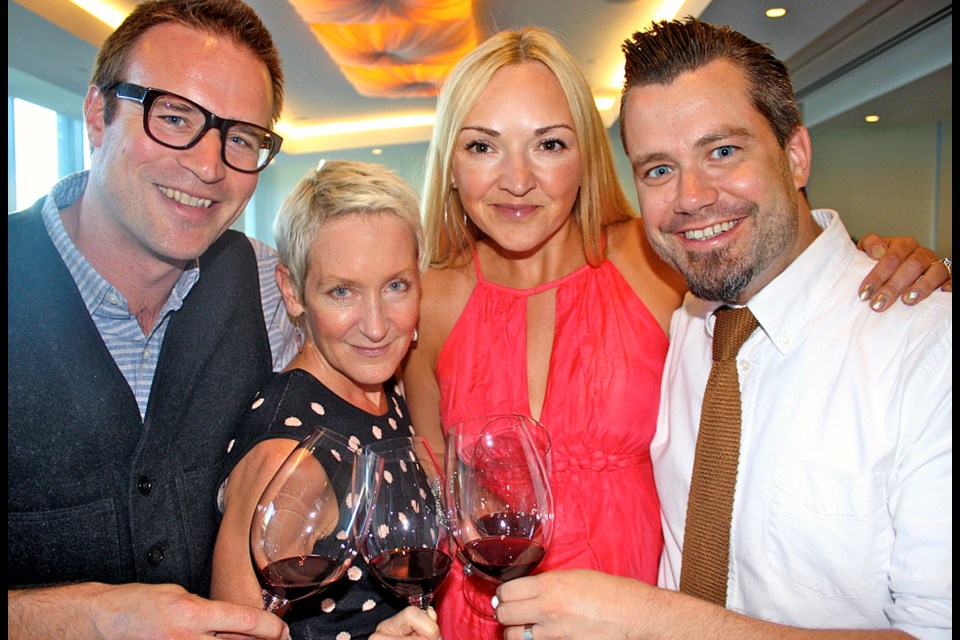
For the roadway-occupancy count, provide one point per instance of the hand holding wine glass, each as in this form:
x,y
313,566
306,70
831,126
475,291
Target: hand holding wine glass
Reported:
x,y
406,541
303,534
499,500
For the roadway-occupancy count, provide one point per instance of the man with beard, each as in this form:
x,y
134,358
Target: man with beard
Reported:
x,y
838,506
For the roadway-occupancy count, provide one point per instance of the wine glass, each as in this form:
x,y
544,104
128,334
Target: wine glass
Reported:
x,y
499,500
303,534
406,541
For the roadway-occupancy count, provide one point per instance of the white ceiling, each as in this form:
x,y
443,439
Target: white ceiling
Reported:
x,y
893,56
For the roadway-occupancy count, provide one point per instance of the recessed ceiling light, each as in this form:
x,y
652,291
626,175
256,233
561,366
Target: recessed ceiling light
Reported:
x,y
776,12
872,118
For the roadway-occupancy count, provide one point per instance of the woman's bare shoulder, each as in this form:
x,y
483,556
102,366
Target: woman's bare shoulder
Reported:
x,y
445,292
658,285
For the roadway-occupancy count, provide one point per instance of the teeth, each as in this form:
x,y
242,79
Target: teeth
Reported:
x,y
709,232
183,198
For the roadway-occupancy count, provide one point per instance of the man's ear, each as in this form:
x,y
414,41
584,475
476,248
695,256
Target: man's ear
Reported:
x,y
799,154
93,116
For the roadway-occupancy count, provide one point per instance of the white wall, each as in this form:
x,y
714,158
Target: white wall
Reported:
x,y
888,179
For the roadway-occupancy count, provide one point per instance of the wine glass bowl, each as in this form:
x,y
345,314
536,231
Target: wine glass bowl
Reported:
x,y
303,534
499,500
406,542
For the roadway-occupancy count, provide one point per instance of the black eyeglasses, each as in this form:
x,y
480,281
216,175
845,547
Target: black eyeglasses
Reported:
x,y
178,123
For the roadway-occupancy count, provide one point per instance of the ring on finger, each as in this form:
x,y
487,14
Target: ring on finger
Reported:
x,y
528,632
947,262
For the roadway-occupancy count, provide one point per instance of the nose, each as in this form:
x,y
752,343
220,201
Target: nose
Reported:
x,y
204,158
517,176
695,191
373,321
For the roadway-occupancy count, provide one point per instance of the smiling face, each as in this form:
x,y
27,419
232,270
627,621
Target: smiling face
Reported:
x,y
168,204
719,197
361,299
516,165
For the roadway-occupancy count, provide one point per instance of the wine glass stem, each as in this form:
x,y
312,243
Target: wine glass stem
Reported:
x,y
423,600
272,603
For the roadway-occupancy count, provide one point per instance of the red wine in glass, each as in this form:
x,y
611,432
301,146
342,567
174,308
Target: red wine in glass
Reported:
x,y
406,541
301,576
411,573
303,533
499,501
504,558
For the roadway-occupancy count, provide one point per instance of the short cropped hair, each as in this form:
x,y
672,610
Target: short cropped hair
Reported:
x,y
335,189
667,49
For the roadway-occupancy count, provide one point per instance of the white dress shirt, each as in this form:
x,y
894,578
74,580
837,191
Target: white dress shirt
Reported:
x,y
842,512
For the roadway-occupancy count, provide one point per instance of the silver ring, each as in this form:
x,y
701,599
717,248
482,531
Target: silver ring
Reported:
x,y
947,262
528,632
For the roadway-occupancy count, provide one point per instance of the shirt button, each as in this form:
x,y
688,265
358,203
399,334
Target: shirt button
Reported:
x,y
155,556
146,353
144,485
784,342
112,298
743,365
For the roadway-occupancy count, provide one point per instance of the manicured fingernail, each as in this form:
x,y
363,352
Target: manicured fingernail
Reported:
x,y
879,302
495,601
911,296
878,252
866,293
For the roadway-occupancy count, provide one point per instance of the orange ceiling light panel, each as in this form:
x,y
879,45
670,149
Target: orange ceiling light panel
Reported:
x,y
392,48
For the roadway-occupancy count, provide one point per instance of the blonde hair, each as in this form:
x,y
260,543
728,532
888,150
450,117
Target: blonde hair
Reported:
x,y
450,236
334,189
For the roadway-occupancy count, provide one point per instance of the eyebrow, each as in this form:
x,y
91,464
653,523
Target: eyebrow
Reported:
x,y
703,141
496,134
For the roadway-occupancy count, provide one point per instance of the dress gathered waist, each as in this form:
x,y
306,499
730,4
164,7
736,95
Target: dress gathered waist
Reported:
x,y
600,461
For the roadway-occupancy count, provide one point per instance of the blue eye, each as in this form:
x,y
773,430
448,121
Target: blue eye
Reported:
x,y
658,172
339,292
723,152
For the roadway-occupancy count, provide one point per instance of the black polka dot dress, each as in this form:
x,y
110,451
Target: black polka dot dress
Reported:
x,y
291,405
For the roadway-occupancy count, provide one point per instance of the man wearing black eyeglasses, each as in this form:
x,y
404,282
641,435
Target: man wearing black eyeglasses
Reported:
x,y
139,329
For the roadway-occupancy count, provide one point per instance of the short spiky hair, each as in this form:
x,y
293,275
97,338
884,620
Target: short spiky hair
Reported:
x,y
334,189
667,49
230,18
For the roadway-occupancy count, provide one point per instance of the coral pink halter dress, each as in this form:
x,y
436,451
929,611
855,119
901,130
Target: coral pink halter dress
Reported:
x,y
600,408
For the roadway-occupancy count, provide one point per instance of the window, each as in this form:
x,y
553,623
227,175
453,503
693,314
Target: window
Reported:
x,y
43,147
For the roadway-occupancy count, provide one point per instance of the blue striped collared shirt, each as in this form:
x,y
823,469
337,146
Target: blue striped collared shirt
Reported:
x,y
136,354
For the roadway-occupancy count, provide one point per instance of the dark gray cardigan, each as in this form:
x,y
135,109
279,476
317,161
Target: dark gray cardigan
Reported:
x,y
94,493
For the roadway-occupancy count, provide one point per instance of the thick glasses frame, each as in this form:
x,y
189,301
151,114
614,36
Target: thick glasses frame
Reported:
x,y
146,96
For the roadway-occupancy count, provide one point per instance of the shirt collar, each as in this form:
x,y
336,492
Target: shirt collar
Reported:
x,y
94,288
785,305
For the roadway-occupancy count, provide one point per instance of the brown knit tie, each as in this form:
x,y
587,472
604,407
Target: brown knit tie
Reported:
x,y
706,541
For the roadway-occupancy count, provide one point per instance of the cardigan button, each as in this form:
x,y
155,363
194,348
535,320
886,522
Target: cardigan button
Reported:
x,y
155,556
144,485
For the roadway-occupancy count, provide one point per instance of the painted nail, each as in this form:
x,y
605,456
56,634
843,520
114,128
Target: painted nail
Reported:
x,y
866,293
878,252
911,296
879,302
